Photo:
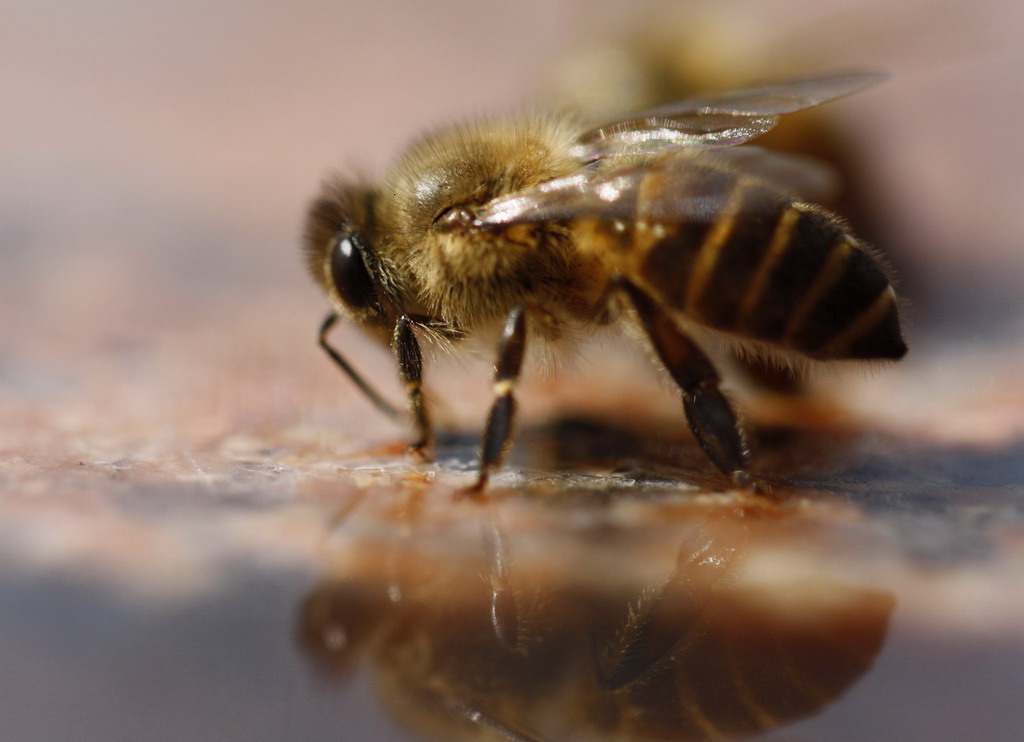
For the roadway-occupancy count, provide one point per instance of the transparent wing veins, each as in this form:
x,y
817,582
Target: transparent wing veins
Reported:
x,y
682,194
716,121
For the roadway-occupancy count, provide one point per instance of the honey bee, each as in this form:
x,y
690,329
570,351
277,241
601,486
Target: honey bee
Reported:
x,y
547,228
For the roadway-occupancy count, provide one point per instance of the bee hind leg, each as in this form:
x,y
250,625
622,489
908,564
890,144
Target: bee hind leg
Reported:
x,y
708,412
511,349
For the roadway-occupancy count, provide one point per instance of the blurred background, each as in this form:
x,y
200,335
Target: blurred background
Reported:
x,y
165,414
157,159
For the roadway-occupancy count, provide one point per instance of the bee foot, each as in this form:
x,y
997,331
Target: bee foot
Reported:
x,y
474,492
419,452
744,480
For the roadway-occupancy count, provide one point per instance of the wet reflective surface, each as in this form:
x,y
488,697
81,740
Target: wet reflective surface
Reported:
x,y
614,605
579,602
638,631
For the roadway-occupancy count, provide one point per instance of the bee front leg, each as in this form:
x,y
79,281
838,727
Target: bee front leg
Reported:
x,y
708,412
410,365
378,401
511,349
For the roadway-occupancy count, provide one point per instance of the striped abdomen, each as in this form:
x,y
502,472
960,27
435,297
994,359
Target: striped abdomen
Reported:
x,y
745,258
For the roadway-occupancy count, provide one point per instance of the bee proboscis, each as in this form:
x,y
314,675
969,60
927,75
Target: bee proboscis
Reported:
x,y
546,227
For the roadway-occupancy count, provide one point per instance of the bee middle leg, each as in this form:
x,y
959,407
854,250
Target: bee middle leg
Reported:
x,y
511,349
410,366
708,412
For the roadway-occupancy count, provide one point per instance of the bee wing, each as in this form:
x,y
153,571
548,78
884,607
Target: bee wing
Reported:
x,y
653,135
675,189
786,96
590,191
807,178
717,120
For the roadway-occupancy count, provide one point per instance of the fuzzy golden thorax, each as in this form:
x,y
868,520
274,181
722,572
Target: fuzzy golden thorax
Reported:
x,y
465,276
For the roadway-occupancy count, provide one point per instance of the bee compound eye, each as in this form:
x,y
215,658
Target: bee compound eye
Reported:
x,y
349,273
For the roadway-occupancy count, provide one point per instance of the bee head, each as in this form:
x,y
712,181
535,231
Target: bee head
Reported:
x,y
339,250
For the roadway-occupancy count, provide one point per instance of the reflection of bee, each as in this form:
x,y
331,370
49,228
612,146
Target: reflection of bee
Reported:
x,y
534,653
549,227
